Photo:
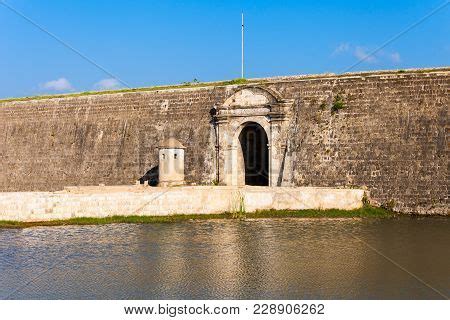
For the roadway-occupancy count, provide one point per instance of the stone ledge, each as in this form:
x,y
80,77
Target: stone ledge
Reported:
x,y
100,201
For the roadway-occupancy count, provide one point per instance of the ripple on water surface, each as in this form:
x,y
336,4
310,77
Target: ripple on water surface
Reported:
x,y
267,258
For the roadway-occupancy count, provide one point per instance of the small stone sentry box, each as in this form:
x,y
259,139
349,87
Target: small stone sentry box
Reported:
x,y
171,163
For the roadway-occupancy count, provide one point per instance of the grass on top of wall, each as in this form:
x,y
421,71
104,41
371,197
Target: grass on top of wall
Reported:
x,y
195,83
365,212
128,90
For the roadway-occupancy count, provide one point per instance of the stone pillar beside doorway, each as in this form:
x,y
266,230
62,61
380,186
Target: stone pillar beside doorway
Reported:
x,y
276,152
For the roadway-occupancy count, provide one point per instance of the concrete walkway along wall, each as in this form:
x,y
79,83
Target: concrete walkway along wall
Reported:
x,y
126,201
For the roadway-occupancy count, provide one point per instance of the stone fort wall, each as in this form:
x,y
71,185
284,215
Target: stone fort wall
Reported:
x,y
391,137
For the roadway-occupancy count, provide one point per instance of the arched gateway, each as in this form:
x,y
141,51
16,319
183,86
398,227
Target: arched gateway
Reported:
x,y
251,129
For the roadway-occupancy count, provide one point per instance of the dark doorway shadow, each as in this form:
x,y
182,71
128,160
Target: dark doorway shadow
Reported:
x,y
152,176
253,140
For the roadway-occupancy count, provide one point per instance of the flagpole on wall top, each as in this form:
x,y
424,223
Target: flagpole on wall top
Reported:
x,y
242,47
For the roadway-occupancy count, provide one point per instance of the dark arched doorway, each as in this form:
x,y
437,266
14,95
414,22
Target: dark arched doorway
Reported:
x,y
253,140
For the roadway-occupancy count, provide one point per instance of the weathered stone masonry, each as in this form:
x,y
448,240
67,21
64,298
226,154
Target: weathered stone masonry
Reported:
x,y
392,136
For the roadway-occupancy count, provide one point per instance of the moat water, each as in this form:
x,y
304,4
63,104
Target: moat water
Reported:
x,y
405,258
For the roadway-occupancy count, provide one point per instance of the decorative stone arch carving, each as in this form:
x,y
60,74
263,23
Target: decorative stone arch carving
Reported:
x,y
252,96
251,104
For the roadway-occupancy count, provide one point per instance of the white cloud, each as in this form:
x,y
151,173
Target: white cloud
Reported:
x,y
107,84
362,54
343,47
395,57
61,84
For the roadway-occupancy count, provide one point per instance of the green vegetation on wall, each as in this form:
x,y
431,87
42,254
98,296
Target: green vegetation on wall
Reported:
x,y
338,103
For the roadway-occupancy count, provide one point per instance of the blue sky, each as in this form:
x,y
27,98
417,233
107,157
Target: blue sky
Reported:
x,y
148,43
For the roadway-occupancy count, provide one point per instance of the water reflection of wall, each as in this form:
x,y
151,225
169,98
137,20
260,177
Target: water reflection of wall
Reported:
x,y
286,258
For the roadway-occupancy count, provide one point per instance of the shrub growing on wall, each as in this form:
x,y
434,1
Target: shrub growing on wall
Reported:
x,y
338,103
